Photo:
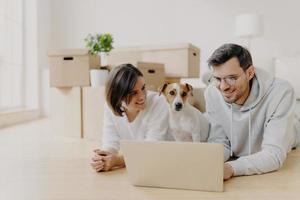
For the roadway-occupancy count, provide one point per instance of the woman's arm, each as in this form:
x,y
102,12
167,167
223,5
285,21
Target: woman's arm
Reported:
x,y
110,133
108,158
157,120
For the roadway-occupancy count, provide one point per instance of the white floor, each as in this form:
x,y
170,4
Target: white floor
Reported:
x,y
37,164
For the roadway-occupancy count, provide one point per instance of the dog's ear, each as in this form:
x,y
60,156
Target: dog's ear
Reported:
x,y
162,88
190,88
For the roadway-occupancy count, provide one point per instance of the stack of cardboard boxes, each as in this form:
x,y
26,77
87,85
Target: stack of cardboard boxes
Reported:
x,y
180,60
69,92
77,108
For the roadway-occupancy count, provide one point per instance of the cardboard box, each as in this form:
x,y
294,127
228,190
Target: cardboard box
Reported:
x,y
124,55
181,60
172,80
71,67
154,74
77,112
65,111
93,99
198,99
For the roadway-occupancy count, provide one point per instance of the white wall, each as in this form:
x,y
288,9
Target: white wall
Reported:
x,y
204,23
44,43
30,51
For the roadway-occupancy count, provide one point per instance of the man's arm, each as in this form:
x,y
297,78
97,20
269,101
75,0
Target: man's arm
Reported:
x,y
276,141
216,133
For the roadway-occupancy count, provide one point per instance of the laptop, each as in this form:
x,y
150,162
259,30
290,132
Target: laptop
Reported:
x,y
178,165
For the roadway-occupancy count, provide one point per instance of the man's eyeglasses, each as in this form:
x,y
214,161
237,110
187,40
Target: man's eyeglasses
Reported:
x,y
229,80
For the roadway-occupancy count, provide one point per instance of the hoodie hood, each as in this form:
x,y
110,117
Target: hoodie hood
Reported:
x,y
261,85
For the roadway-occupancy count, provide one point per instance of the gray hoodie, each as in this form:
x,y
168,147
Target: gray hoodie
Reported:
x,y
260,132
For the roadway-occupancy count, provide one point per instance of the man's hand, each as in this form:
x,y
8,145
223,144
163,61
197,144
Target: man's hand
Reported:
x,y
228,171
105,160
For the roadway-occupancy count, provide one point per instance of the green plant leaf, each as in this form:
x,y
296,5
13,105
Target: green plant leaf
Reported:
x,y
99,43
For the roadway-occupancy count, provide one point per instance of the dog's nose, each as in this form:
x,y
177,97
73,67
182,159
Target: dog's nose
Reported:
x,y
178,106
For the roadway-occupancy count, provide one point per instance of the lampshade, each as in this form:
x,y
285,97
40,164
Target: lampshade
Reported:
x,y
249,25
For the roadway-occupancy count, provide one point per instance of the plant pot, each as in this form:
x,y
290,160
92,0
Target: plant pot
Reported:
x,y
98,77
103,59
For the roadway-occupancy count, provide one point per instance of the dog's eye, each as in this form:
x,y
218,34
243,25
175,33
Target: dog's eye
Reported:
x,y
172,93
183,94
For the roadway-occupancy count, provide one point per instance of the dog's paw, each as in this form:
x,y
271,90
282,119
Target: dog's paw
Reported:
x,y
182,136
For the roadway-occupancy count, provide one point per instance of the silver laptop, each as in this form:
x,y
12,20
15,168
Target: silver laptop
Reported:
x,y
179,165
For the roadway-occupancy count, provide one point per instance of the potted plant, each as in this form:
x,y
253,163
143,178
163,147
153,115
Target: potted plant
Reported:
x,y
99,44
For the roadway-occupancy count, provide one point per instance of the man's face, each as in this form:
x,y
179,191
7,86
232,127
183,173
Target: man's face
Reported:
x,y
233,81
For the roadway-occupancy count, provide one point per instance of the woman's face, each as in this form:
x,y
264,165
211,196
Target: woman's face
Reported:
x,y
138,96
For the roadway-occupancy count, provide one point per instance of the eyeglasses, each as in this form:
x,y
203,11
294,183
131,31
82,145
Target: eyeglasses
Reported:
x,y
229,80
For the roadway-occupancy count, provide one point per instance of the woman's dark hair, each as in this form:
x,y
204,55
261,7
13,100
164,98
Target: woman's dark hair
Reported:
x,y
120,83
228,51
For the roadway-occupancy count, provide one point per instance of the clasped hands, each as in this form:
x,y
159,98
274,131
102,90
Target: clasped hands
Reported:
x,y
106,160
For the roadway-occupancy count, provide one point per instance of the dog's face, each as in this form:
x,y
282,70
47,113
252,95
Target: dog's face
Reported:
x,y
176,94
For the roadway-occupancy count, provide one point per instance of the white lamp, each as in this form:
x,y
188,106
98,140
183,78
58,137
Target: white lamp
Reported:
x,y
249,26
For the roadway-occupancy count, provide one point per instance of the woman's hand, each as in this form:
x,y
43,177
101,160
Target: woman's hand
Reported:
x,y
97,163
106,160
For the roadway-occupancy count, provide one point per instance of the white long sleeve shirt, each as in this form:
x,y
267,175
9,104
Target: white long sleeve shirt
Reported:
x,y
151,124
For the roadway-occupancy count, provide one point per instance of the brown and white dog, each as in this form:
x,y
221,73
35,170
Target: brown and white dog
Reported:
x,y
186,123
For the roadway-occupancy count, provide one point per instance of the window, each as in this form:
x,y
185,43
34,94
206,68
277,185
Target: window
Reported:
x,y
11,54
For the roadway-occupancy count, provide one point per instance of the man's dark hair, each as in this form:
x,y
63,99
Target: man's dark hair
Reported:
x,y
120,83
228,51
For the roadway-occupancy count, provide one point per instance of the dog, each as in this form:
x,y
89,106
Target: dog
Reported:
x,y
186,123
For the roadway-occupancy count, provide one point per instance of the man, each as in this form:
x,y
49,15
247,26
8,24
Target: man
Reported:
x,y
251,113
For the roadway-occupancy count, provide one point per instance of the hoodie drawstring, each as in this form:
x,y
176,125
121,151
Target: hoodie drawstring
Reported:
x,y
249,133
231,129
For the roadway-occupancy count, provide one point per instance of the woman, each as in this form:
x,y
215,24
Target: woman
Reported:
x,y
130,113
